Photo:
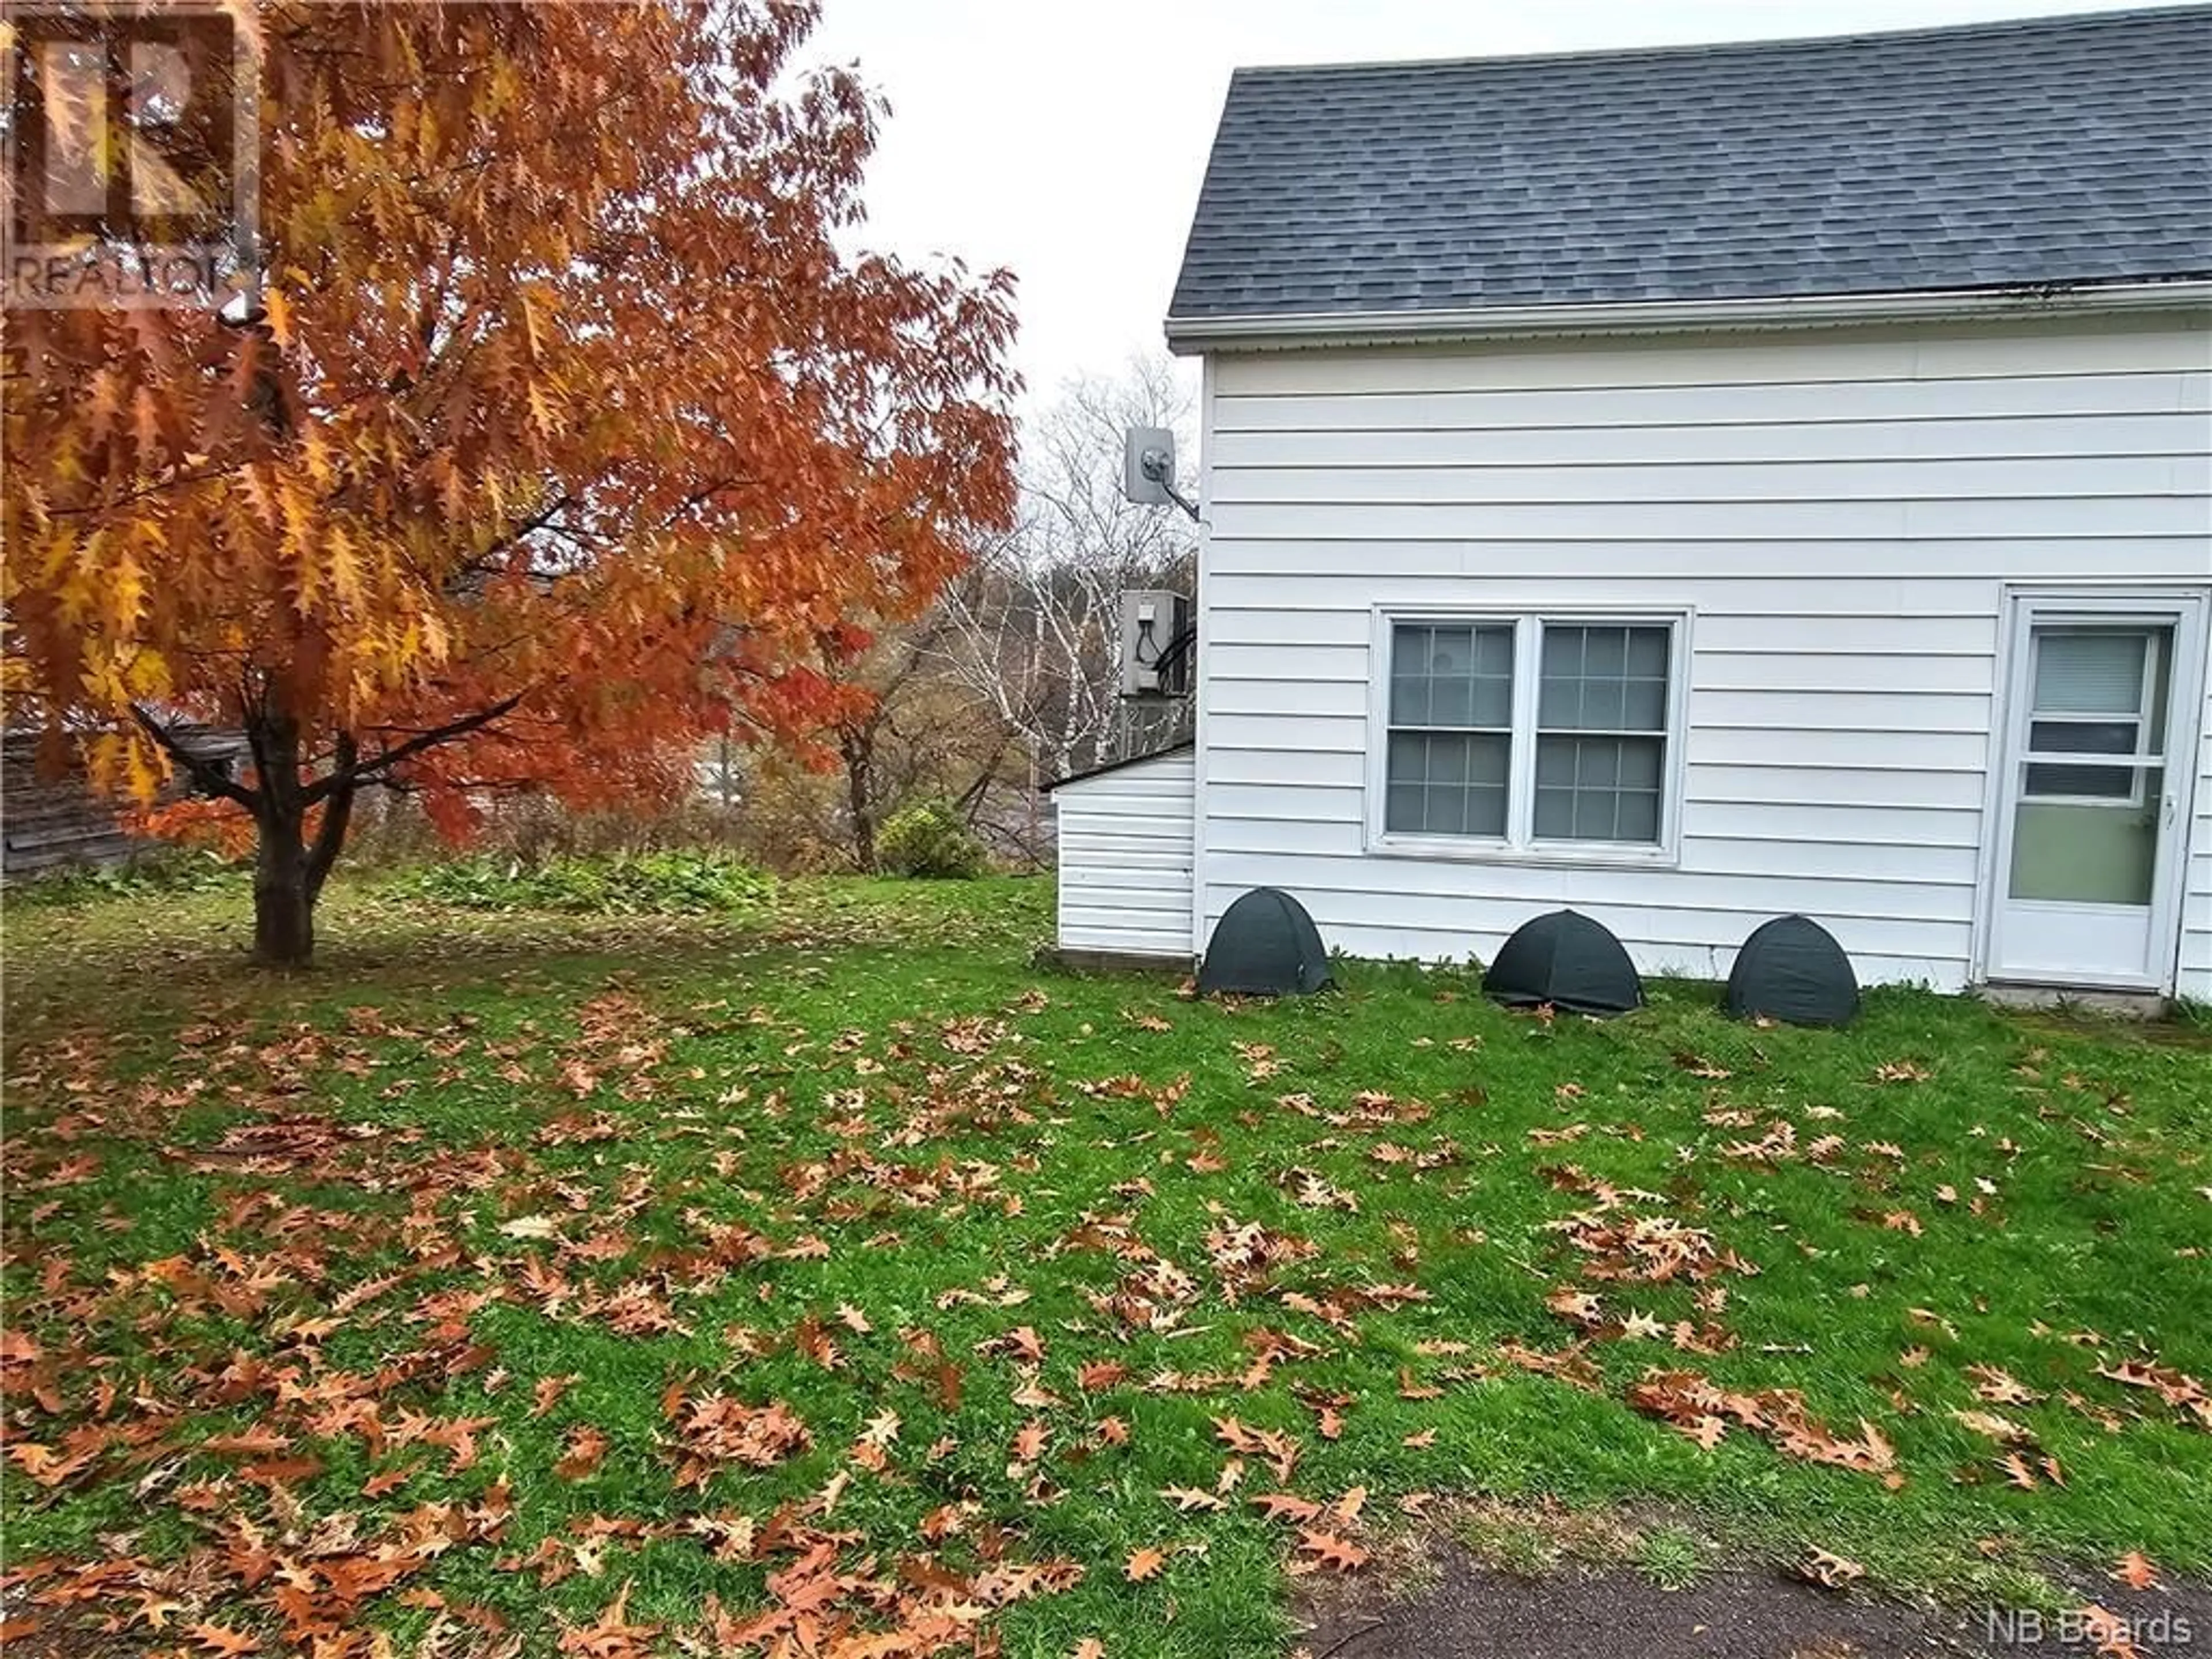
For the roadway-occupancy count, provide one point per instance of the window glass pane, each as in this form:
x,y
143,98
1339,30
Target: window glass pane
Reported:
x,y
1646,678
1403,813
1562,651
1488,761
1408,760
1493,653
1555,768
1603,706
2098,671
2082,737
1447,760
1603,678
1451,677
1640,761
1451,701
2057,780
1493,697
1646,709
1598,788
1409,676
1639,815
1594,815
1447,783
1647,652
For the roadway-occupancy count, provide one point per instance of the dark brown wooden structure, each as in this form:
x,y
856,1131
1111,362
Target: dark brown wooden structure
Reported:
x,y
59,823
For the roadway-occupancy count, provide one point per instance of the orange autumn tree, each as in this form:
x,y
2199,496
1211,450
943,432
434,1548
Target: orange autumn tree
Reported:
x,y
554,429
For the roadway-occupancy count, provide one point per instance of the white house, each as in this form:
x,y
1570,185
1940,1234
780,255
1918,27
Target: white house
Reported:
x,y
1692,486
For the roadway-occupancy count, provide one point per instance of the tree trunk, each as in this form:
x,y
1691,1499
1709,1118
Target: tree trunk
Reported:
x,y
288,870
283,911
859,744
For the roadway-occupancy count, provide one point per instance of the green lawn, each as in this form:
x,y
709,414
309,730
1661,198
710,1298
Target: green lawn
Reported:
x,y
612,1284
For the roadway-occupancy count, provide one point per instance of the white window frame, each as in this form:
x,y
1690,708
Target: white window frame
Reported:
x,y
1520,844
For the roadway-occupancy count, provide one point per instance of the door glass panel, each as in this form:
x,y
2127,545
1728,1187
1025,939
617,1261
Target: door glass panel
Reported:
x,y
2084,736
2089,671
2076,849
2060,781
2098,691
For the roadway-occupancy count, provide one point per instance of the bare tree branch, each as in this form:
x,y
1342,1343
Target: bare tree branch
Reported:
x,y
351,776
208,777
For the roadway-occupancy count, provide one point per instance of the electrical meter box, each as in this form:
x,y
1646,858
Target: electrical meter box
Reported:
x,y
1157,643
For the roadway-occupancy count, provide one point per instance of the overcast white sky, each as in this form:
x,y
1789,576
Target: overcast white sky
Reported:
x,y
1066,139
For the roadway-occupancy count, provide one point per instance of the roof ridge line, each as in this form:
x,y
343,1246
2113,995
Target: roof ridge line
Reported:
x,y
2039,22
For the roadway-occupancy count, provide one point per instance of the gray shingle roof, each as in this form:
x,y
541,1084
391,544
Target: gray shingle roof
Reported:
x,y
2055,151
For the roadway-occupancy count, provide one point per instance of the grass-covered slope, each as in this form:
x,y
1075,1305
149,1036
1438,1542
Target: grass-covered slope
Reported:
x,y
834,1273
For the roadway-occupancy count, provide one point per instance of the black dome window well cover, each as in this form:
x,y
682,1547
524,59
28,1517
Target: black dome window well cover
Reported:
x,y
1792,969
1567,960
1265,945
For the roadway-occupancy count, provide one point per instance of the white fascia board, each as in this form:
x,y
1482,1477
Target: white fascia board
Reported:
x,y
1289,332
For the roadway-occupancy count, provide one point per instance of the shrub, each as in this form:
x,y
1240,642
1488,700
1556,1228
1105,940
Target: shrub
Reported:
x,y
153,871
931,840
628,884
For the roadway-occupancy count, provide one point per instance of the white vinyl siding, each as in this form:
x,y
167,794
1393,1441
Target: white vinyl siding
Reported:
x,y
1840,512
2196,977
1125,859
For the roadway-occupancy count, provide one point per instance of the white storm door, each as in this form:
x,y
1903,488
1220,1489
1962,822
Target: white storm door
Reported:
x,y
2099,744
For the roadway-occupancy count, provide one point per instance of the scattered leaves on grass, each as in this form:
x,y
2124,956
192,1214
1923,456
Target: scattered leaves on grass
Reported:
x,y
715,1200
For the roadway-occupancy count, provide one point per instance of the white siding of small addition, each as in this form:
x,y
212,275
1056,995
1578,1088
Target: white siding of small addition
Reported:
x,y
2195,978
1125,859
1840,511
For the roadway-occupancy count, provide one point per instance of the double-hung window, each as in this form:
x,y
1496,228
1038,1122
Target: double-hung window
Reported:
x,y
1533,734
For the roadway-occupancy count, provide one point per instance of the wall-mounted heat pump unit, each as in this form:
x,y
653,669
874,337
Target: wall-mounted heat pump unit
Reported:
x,y
1157,643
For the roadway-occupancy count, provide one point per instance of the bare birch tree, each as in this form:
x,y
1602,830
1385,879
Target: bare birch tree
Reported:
x,y
1033,628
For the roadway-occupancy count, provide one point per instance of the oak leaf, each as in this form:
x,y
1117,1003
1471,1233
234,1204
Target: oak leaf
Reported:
x,y
1186,1499
1826,1568
2135,1571
586,1449
221,1641
1328,1550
